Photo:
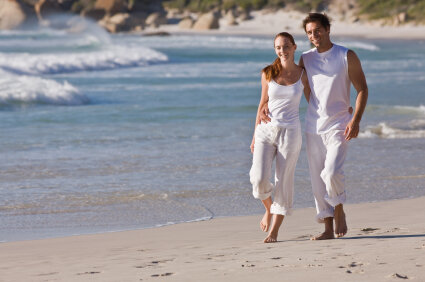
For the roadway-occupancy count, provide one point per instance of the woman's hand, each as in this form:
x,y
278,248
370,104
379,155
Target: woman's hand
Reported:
x,y
264,114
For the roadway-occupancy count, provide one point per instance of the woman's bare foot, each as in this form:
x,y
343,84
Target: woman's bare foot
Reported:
x,y
265,222
277,222
340,223
271,238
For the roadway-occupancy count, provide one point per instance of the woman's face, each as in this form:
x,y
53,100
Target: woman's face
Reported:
x,y
284,48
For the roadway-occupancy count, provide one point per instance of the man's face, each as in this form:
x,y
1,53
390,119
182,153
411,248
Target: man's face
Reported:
x,y
317,34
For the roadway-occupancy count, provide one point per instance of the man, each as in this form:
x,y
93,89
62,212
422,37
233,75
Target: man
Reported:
x,y
329,124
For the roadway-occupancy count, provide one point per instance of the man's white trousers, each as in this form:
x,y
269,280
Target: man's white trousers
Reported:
x,y
326,155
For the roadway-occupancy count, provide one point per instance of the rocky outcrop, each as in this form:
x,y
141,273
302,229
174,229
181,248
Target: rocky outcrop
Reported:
x,y
45,7
95,14
231,17
124,22
11,14
111,7
207,21
118,22
244,16
186,23
401,18
156,19
147,6
344,10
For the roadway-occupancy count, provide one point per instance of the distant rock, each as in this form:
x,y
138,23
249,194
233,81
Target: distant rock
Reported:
x,y
123,22
207,21
111,7
45,7
156,19
147,6
345,10
11,14
117,23
95,14
138,19
244,16
186,23
158,33
401,18
231,17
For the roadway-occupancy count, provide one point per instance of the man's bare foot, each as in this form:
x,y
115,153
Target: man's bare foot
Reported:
x,y
340,223
329,230
271,238
324,236
265,222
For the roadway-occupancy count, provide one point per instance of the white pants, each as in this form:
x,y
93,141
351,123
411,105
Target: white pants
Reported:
x,y
284,144
326,155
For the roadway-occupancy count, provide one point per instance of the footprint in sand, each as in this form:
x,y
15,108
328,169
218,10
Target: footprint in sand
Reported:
x,y
88,272
400,276
304,237
163,274
369,229
155,262
355,264
395,229
47,274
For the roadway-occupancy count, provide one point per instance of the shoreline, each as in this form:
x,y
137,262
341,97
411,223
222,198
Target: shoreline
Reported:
x,y
385,240
162,225
269,23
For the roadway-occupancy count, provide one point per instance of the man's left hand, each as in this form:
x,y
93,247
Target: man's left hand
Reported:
x,y
352,130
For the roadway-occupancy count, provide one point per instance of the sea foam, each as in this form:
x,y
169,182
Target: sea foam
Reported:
x,y
412,129
109,58
24,89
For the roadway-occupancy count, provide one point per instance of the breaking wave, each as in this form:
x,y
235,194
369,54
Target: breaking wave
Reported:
x,y
24,89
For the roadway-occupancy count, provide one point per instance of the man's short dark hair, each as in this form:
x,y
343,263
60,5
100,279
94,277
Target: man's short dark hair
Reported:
x,y
317,17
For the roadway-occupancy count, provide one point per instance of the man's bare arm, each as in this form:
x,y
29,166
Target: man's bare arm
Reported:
x,y
357,77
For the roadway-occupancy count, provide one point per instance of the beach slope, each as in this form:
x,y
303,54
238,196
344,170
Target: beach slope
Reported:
x,y
385,242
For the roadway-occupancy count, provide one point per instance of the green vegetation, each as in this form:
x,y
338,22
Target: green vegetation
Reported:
x,y
373,9
384,9
207,5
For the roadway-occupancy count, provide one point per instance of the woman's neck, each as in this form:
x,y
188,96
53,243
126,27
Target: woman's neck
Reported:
x,y
288,65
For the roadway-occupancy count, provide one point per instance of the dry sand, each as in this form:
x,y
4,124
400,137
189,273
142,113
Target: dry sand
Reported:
x,y
272,22
386,242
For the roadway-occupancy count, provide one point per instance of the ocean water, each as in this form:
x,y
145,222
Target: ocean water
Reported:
x,y
107,132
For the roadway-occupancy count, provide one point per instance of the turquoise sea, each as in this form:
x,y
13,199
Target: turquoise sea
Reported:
x,y
105,132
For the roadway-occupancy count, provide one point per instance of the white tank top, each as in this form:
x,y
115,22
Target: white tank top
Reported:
x,y
327,74
284,103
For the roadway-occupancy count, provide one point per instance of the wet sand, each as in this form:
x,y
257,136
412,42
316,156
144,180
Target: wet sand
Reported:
x,y
385,242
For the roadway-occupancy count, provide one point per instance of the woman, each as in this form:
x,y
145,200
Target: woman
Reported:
x,y
282,85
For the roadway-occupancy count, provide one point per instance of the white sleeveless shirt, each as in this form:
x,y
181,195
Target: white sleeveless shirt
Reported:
x,y
284,103
327,74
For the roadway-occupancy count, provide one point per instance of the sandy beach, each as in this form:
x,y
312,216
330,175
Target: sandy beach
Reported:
x,y
385,242
266,22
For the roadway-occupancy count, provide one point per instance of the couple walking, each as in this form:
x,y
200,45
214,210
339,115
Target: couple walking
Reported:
x,y
324,74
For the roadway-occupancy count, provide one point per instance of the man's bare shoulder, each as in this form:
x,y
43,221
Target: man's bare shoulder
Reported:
x,y
352,57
